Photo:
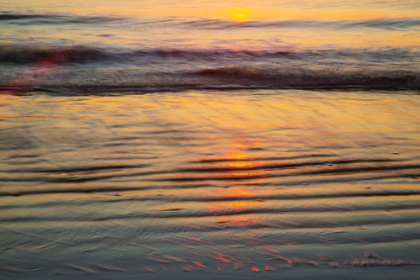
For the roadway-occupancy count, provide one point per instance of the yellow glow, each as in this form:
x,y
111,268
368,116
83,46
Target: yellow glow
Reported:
x,y
239,165
239,14
242,220
237,156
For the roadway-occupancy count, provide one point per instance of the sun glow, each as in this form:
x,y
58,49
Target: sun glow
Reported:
x,y
239,14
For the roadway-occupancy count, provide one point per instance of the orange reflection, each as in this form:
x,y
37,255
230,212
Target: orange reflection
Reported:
x,y
239,160
238,198
243,170
239,163
247,175
241,142
240,205
237,156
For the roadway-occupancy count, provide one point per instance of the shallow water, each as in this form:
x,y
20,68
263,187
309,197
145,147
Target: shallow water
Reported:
x,y
289,183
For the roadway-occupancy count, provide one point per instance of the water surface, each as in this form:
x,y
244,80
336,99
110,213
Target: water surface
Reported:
x,y
211,182
229,139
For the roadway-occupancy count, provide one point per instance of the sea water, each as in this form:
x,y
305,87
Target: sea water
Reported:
x,y
211,139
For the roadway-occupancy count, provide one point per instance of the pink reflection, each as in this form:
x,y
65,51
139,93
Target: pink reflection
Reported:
x,y
36,74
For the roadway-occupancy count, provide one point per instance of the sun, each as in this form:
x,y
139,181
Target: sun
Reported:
x,y
239,14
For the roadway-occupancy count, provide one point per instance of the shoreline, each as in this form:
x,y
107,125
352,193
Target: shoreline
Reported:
x,y
236,184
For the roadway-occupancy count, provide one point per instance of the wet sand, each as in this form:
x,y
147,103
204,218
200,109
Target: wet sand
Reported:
x,y
236,184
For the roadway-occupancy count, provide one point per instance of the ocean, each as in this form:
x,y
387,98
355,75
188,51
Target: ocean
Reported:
x,y
104,47
229,139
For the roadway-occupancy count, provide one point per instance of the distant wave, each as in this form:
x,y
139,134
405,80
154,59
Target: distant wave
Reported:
x,y
388,24
78,54
86,54
31,19
172,69
208,23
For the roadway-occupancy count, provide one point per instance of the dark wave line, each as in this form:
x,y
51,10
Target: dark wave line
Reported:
x,y
387,24
362,169
86,54
331,171
198,169
231,212
237,177
306,182
263,198
81,179
23,156
94,190
78,169
259,198
393,82
191,170
217,160
319,79
284,165
410,175
77,54
32,19
206,23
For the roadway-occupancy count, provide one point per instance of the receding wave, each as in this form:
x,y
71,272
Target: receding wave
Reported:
x,y
86,54
66,55
315,81
101,82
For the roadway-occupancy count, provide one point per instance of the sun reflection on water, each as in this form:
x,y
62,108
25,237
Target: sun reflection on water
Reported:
x,y
238,198
232,206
